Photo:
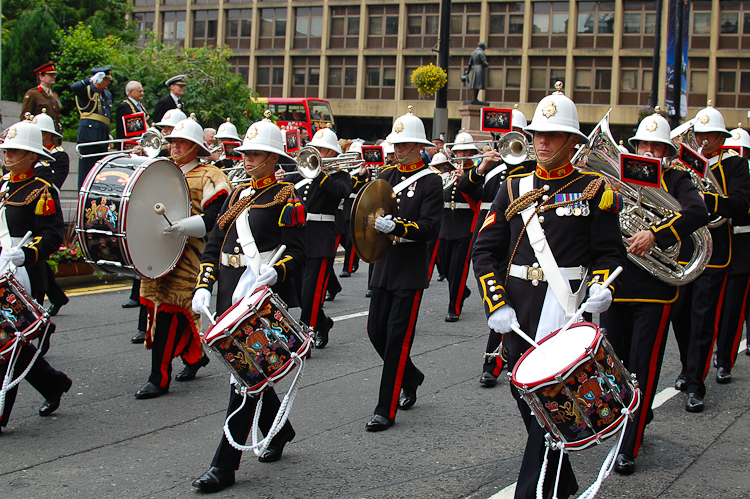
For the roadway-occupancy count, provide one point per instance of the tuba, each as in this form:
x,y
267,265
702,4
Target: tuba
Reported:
x,y
643,207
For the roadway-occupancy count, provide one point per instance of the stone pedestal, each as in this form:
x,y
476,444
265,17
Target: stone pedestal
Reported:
x,y
471,121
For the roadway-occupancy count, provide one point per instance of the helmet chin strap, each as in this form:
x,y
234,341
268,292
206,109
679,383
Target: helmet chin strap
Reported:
x,y
185,154
252,170
23,158
563,150
409,154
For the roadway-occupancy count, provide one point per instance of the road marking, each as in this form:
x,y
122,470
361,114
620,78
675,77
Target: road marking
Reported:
x,y
510,491
350,316
104,288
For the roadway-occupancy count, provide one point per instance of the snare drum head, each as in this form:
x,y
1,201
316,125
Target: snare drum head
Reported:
x,y
555,355
159,181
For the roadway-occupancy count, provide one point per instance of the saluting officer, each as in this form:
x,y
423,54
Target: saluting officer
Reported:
x,y
272,211
43,97
533,288
176,85
400,277
695,315
638,321
94,103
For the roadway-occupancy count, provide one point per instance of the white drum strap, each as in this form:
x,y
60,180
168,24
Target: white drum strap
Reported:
x,y
302,183
246,237
496,171
411,180
5,238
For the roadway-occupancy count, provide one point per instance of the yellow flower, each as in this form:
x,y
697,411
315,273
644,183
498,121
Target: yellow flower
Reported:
x,y
429,79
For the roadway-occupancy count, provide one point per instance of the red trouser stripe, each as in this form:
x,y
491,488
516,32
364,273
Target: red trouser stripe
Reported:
x,y
433,259
717,320
405,347
352,256
740,325
650,388
464,275
320,289
168,355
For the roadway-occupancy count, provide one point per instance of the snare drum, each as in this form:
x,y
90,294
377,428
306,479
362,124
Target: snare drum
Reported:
x,y
256,338
117,227
21,318
576,386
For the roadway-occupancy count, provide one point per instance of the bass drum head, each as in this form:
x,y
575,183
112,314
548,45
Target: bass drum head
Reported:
x,y
159,181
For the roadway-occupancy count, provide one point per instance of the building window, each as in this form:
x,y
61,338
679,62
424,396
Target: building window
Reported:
x,y
144,3
380,78
344,27
272,29
636,75
733,83
269,78
697,81
422,25
308,27
596,25
342,78
145,25
205,2
638,25
305,76
241,66
238,32
410,64
466,19
174,2
506,25
205,24
544,72
382,27
550,25
735,25
503,79
173,28
593,80
700,29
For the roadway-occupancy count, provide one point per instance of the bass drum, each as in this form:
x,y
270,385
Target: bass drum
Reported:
x,y
117,226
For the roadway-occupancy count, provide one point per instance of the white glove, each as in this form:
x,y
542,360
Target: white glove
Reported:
x,y
599,299
385,224
244,285
502,319
98,78
15,256
268,276
201,299
177,229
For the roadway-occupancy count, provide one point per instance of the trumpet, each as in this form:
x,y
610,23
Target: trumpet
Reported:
x,y
150,141
310,163
515,148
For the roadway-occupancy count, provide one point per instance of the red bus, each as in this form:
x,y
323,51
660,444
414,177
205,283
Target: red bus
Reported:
x,y
301,112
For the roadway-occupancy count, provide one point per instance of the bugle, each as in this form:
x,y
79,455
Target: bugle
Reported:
x,y
310,163
150,141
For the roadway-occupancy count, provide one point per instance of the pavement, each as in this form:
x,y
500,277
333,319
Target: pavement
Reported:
x,y
460,441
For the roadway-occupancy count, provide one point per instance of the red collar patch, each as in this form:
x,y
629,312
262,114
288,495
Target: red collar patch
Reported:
x,y
20,177
411,167
264,182
557,173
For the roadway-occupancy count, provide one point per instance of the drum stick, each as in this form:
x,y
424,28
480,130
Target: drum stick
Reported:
x,y
525,336
25,239
582,308
160,209
275,258
209,315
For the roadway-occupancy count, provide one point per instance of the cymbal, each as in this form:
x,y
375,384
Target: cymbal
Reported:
x,y
375,199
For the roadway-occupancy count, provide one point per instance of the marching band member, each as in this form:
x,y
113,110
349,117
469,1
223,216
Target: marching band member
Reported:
x,y
459,215
227,132
531,288
695,315
441,164
30,204
638,321
735,308
399,278
273,210
333,286
359,180
321,197
94,103
173,330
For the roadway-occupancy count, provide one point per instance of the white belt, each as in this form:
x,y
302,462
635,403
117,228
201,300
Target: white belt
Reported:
x,y
341,205
535,273
486,205
402,240
320,217
237,261
457,206
741,229
353,195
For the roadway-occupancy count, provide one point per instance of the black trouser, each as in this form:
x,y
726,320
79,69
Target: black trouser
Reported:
x,y
433,247
493,365
54,291
695,319
733,315
312,292
135,294
86,164
391,324
240,425
638,333
351,259
455,258
171,338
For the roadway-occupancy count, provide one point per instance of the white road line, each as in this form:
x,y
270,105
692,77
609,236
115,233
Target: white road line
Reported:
x,y
350,316
659,399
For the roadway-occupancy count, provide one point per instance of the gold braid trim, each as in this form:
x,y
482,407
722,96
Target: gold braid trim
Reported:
x,y
522,202
29,199
232,213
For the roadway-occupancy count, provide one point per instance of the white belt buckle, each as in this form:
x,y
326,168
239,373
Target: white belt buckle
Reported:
x,y
534,274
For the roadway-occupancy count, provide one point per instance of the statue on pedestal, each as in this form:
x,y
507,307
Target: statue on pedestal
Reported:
x,y
478,61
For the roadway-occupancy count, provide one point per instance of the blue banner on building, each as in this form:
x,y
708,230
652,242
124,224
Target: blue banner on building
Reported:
x,y
671,38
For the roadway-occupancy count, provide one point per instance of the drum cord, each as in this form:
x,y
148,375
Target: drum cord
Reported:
x,y
12,366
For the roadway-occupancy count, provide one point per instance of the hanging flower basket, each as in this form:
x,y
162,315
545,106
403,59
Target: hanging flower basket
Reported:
x,y
429,79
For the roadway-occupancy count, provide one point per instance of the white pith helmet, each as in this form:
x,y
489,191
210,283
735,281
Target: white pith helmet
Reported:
x,y
408,129
45,123
556,113
464,142
739,138
325,137
654,128
388,148
355,147
518,119
190,130
227,130
264,135
171,118
438,159
709,119
25,136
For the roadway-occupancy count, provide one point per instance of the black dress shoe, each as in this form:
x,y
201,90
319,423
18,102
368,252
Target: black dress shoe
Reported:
x,y
409,395
214,480
624,465
188,374
368,294
130,303
723,376
51,404
139,338
55,307
276,448
694,403
441,277
150,391
321,337
451,317
487,380
330,296
680,383
344,273
378,423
